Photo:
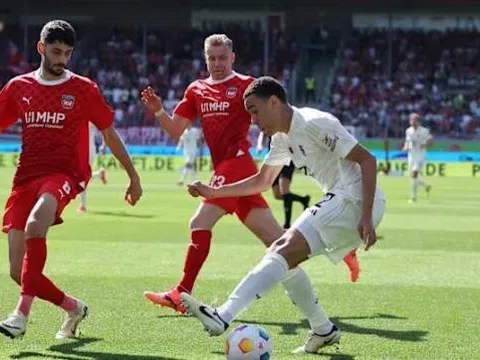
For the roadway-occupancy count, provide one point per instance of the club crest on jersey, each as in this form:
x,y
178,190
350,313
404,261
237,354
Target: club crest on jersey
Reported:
x,y
68,101
231,92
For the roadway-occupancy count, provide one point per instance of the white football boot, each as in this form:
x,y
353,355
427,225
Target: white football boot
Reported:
x,y
316,342
69,328
14,326
207,315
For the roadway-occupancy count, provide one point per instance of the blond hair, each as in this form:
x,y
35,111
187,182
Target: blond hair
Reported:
x,y
218,39
415,115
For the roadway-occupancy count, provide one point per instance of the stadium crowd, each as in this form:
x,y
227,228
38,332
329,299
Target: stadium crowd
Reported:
x,y
434,73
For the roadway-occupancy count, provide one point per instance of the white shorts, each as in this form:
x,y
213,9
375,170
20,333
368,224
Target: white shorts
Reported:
x,y
415,163
190,157
330,226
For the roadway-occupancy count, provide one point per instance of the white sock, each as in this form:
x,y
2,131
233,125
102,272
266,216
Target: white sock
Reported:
x,y
299,289
414,187
83,198
261,279
184,174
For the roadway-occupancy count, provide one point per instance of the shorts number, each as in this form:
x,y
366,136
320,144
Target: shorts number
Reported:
x,y
327,197
66,188
217,181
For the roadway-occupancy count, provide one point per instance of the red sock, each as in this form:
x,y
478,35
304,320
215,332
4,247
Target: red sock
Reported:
x,y
32,268
197,253
49,292
68,303
24,304
351,259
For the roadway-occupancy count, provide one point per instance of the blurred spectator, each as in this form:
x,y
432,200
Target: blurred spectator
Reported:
x,y
434,73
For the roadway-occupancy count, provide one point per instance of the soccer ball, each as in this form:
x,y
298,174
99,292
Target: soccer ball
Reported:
x,y
248,342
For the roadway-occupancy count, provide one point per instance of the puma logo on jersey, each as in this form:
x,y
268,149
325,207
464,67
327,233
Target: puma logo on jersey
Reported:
x,y
27,100
214,106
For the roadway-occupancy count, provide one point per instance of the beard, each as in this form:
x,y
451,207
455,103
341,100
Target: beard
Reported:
x,y
53,69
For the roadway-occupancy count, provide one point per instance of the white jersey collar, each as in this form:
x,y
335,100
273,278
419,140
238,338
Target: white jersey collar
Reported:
x,y
66,76
226,78
296,116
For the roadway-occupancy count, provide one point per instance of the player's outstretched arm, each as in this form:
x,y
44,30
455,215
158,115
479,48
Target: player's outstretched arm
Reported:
x,y
260,141
255,184
174,125
116,145
368,165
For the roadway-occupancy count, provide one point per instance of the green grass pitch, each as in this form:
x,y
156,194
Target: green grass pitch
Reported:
x,y
418,296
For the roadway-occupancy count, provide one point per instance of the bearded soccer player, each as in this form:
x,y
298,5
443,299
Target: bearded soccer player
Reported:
x,y
55,106
218,102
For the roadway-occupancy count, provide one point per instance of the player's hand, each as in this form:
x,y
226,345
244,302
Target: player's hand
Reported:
x,y
367,232
134,192
197,189
151,100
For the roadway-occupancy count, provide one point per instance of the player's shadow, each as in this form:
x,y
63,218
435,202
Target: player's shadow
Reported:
x,y
122,214
291,328
71,351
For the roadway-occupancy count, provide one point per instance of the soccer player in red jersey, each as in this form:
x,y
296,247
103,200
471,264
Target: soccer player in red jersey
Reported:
x,y
218,102
55,106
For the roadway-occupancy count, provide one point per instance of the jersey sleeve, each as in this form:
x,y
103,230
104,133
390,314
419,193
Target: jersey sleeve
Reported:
x,y
427,135
101,114
186,107
279,154
330,134
8,113
408,137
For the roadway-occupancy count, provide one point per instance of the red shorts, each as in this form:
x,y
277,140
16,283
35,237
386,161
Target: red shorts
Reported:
x,y
230,171
23,198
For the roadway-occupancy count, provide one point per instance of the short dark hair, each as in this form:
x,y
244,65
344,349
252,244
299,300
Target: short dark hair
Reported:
x,y
58,31
264,87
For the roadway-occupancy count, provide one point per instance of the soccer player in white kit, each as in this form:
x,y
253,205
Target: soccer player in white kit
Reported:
x,y
351,209
100,173
417,138
190,142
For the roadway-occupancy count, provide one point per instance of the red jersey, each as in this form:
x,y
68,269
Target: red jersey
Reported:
x,y
55,117
224,120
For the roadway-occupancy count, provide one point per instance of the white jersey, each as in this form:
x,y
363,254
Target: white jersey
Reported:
x,y
189,140
318,142
416,139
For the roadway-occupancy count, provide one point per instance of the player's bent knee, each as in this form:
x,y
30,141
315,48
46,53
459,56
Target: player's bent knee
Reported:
x,y
276,192
16,274
200,222
293,247
42,216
